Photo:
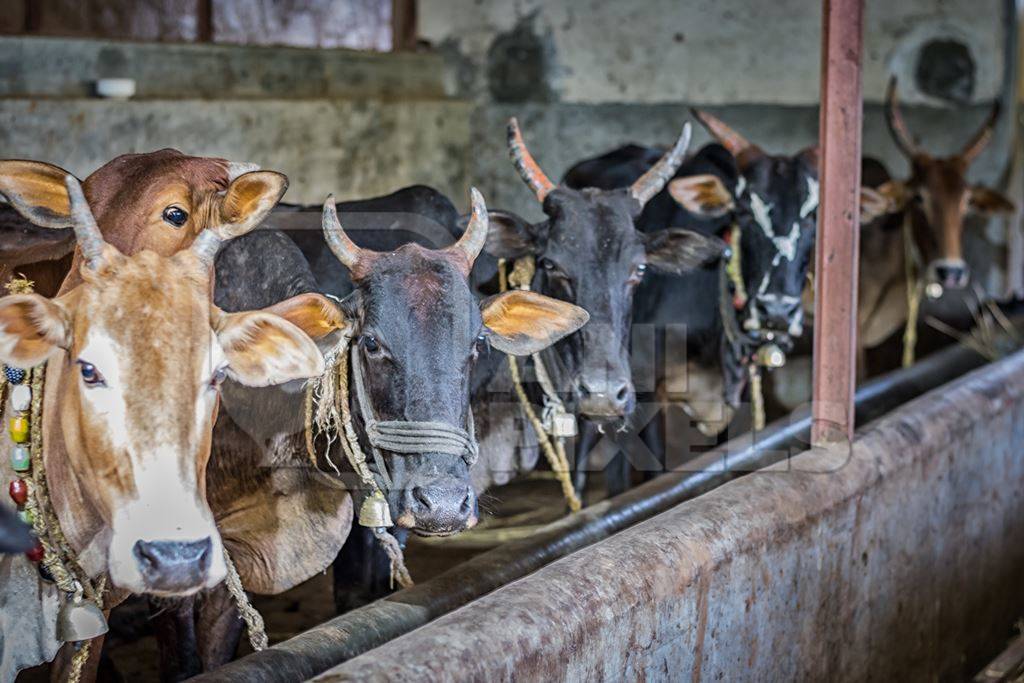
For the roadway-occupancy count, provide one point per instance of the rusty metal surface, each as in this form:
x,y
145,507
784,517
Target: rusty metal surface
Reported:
x,y
898,560
835,303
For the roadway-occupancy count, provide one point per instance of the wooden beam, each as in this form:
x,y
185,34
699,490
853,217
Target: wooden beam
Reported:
x,y
835,306
403,25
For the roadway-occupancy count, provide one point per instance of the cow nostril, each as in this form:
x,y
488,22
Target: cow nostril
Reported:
x,y
622,394
420,495
467,502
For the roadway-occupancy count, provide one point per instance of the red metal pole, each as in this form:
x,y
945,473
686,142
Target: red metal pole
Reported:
x,y
835,304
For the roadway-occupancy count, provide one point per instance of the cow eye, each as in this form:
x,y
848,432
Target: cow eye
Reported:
x,y
175,215
638,274
90,375
218,377
370,344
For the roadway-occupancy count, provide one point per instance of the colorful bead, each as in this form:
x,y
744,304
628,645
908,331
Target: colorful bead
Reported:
x,y
44,573
21,459
36,554
26,516
19,429
21,398
19,491
14,375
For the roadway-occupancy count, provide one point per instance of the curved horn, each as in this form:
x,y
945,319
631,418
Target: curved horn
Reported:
x,y
524,162
87,232
472,240
340,243
742,149
984,135
897,127
652,182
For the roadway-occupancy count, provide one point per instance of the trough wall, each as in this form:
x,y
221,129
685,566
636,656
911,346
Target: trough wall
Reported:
x,y
898,559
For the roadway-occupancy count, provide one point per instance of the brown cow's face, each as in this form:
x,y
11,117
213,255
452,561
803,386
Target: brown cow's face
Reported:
x,y
142,356
939,197
158,201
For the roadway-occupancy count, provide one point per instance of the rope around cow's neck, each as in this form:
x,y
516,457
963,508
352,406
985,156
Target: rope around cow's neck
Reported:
x,y
729,302
328,411
552,446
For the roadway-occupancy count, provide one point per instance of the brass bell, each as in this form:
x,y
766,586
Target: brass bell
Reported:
x,y
375,511
80,619
770,356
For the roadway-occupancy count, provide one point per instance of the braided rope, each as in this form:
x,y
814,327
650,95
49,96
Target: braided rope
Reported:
x,y
254,625
553,448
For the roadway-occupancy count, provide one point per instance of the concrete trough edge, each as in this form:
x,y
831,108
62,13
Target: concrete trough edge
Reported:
x,y
900,558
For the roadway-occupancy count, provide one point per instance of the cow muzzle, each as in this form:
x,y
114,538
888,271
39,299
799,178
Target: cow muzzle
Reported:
x,y
435,506
781,314
946,274
607,399
174,567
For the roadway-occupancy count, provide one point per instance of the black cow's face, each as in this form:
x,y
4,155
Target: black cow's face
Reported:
x,y
418,331
777,202
589,253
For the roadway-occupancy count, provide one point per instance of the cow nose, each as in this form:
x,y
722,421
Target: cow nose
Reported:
x,y
173,566
606,400
951,275
441,509
778,313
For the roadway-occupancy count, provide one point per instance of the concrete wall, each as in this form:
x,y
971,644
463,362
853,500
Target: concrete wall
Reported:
x,y
897,560
584,76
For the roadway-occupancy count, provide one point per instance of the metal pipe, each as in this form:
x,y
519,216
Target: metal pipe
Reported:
x,y
365,628
837,246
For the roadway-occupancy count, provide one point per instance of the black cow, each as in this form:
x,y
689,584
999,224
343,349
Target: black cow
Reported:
x,y
417,330
734,185
588,251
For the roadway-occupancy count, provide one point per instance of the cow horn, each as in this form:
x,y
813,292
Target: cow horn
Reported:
x,y
897,127
524,162
472,240
340,243
984,135
87,232
652,182
742,149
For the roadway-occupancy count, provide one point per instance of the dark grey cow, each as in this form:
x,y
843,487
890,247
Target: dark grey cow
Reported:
x,y
417,330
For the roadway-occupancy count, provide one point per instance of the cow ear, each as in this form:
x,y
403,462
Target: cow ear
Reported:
x,y
986,201
37,191
508,235
703,195
248,200
888,198
264,349
314,314
676,251
32,328
520,323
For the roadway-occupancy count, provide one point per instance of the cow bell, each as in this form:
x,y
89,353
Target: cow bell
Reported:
x,y
375,511
80,619
770,356
558,423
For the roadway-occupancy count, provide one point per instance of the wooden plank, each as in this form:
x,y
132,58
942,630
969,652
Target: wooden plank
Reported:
x,y
835,307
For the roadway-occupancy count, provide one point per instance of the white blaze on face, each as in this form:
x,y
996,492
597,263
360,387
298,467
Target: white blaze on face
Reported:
x,y
165,504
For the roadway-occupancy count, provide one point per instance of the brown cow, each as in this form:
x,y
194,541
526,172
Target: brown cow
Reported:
x,y
159,201
135,355
938,197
